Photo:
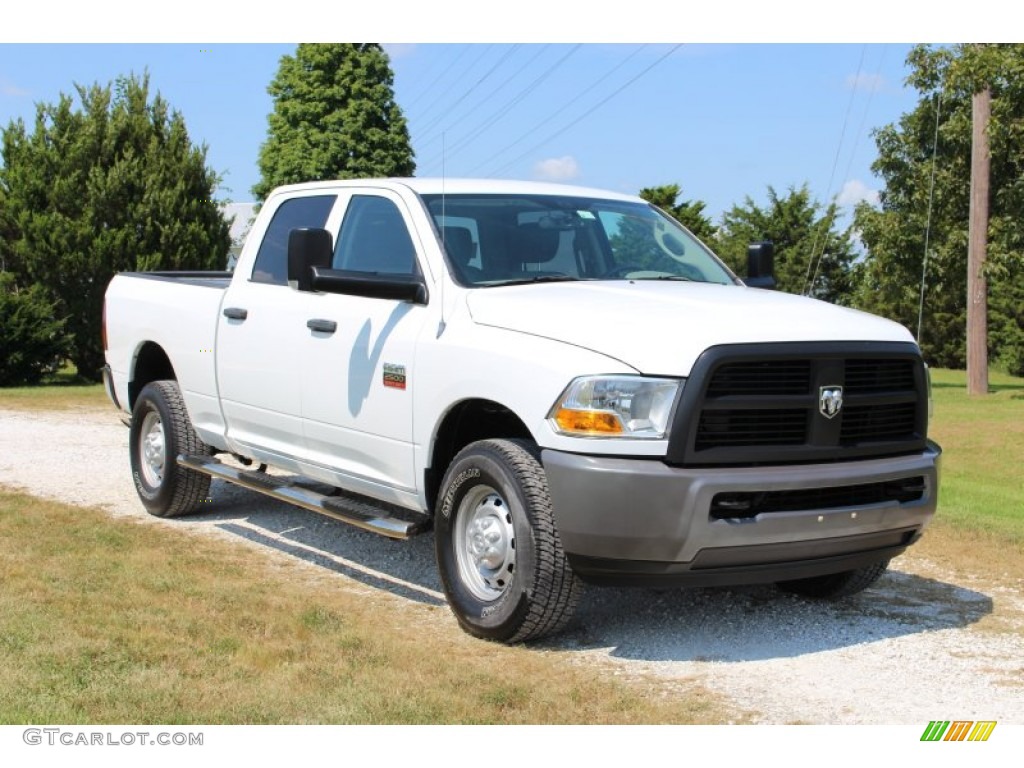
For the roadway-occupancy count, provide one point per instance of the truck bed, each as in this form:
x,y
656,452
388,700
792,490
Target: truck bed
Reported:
x,y
210,279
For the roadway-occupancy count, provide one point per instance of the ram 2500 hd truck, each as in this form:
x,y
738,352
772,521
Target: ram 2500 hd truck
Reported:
x,y
564,383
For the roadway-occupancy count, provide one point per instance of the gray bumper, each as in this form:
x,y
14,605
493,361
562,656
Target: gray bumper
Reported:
x,y
628,520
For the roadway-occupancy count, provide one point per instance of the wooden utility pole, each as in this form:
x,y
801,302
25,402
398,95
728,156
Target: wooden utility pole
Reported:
x,y
977,244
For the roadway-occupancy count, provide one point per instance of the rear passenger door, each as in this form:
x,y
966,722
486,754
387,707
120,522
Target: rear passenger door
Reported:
x,y
260,336
358,380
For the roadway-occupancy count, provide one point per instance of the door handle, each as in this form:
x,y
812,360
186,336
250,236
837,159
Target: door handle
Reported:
x,y
235,313
322,326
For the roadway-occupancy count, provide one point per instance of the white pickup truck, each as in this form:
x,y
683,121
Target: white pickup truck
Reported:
x,y
563,382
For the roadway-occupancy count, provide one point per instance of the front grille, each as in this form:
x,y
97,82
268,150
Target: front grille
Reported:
x,y
879,422
768,404
865,376
780,377
748,427
734,505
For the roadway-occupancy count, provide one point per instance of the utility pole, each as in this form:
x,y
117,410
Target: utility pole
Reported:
x,y
977,244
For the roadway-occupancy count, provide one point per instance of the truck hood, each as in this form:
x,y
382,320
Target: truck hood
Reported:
x,y
661,328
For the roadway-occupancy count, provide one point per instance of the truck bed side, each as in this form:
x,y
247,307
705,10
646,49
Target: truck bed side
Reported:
x,y
167,319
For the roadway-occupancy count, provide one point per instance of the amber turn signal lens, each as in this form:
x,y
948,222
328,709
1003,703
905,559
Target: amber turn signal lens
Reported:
x,y
588,422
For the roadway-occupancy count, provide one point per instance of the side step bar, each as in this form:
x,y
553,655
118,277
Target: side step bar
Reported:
x,y
370,515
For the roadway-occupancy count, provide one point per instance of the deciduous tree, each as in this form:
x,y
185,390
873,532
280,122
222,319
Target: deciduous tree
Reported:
x,y
895,233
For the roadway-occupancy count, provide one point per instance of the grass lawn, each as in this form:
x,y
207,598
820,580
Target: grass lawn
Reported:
x,y
982,482
62,391
116,621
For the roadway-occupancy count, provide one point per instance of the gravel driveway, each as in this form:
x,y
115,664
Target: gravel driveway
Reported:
x,y
922,644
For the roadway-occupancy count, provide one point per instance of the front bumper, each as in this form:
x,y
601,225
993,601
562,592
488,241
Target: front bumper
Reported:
x,y
644,522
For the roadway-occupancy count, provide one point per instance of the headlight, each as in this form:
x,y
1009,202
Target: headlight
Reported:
x,y
616,406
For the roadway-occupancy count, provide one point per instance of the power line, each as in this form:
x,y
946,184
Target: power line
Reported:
x,y
473,87
494,92
439,88
566,106
814,261
507,107
590,111
853,154
437,79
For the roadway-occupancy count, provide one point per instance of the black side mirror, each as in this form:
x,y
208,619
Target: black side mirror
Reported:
x,y
761,265
308,248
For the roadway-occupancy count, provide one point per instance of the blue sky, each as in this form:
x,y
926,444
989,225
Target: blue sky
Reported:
x,y
723,100
722,120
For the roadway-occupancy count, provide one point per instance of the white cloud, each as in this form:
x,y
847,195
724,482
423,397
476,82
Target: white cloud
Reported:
x,y
557,168
865,81
855,191
7,88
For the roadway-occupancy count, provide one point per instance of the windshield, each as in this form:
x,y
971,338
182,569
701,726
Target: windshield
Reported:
x,y
505,239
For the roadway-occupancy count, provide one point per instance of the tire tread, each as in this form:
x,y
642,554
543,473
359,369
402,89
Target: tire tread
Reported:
x,y
556,589
190,488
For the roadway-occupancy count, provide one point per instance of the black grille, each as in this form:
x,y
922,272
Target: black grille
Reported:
x,y
740,427
779,377
878,422
750,504
751,405
864,376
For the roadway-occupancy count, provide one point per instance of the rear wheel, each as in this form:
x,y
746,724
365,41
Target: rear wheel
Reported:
x,y
501,561
160,431
836,585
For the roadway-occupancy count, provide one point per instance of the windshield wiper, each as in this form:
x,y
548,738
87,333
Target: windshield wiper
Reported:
x,y
540,279
666,277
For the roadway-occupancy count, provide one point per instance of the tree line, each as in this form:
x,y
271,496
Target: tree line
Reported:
x,y
111,181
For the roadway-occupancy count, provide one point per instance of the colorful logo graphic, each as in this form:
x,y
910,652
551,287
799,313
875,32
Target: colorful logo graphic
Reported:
x,y
958,730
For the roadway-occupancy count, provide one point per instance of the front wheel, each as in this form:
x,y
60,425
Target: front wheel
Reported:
x,y
160,431
836,585
501,560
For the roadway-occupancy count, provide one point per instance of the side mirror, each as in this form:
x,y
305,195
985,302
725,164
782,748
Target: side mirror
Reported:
x,y
308,248
761,265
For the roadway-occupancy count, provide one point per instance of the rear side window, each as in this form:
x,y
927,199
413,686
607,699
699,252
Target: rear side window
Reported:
x,y
272,259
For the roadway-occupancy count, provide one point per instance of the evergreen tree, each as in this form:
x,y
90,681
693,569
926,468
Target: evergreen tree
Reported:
x,y
890,277
335,117
32,342
807,245
112,185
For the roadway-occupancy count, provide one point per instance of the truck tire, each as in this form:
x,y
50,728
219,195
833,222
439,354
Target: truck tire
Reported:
x,y
160,431
836,585
498,551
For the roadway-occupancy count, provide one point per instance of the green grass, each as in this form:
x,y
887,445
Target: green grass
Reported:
x,y
982,481
116,621
64,390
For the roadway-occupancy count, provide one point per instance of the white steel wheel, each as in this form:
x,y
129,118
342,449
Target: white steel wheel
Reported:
x,y
152,449
485,543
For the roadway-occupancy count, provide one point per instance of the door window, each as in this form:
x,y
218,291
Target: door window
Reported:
x,y
272,259
374,238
